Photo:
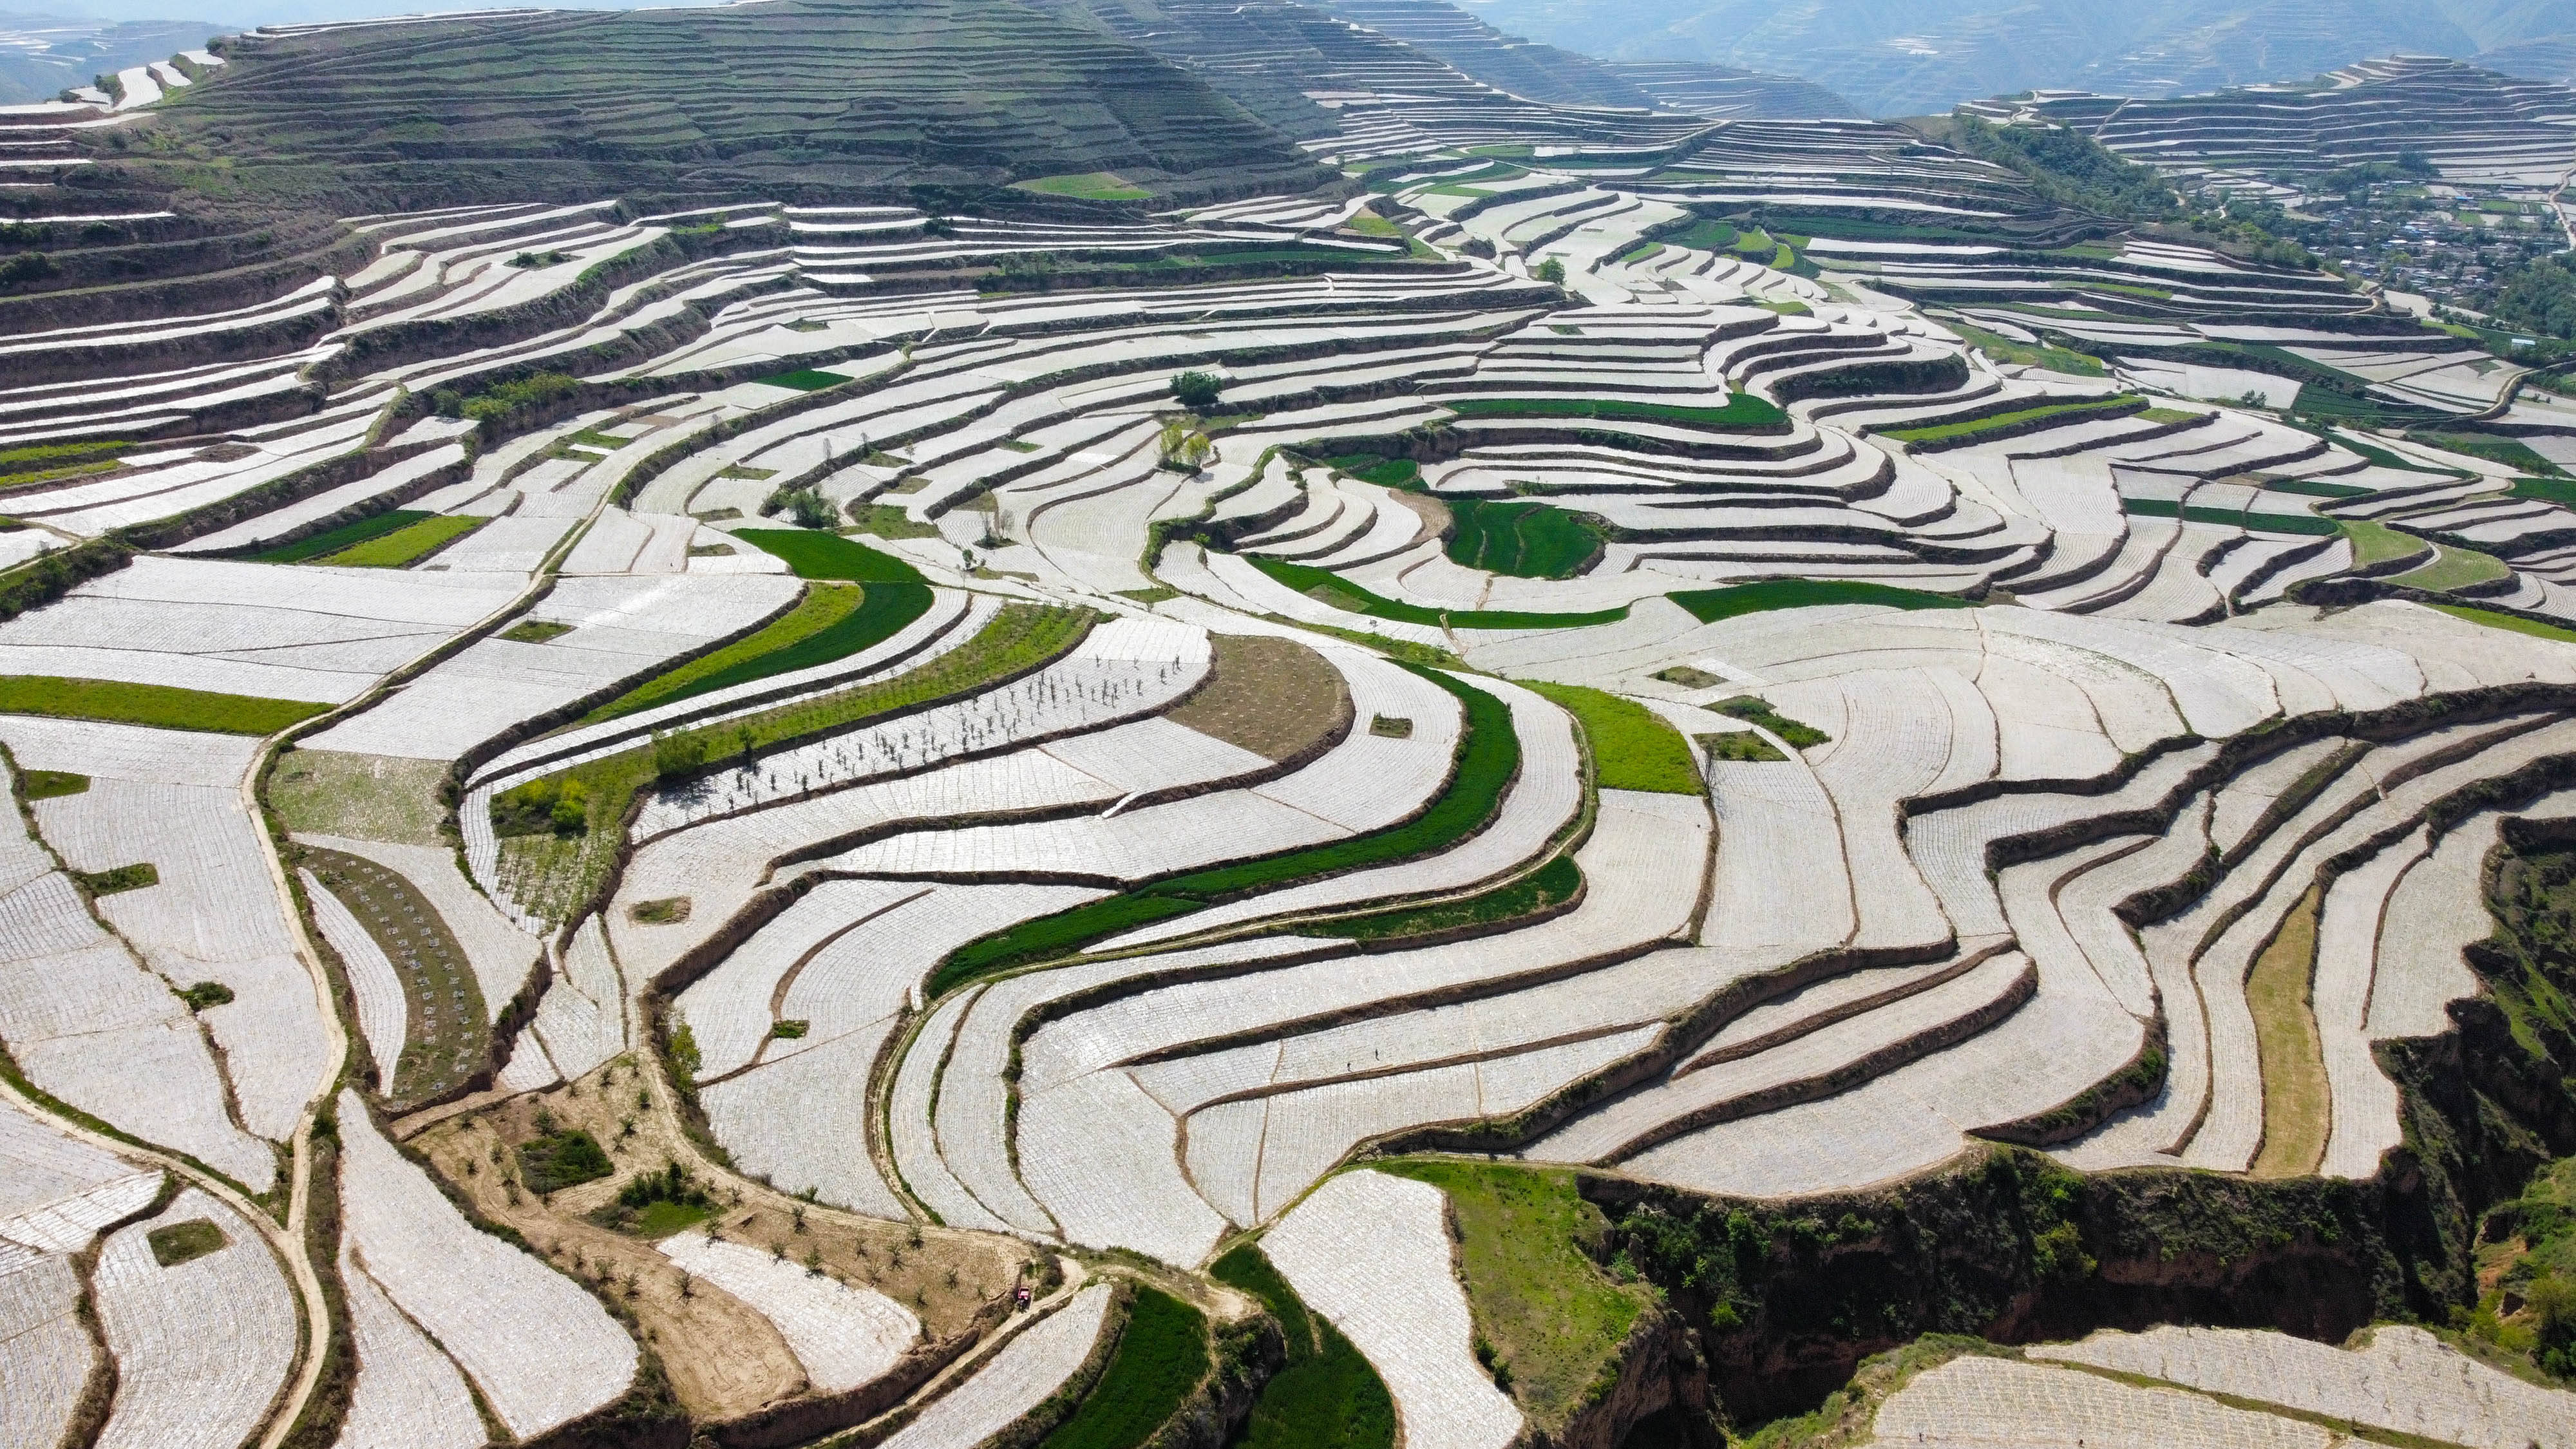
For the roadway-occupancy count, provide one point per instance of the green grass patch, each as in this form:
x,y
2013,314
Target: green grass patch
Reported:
x,y
1161,1356
1486,760
51,784
1710,605
1369,223
1743,410
1550,1320
889,520
2314,488
833,621
345,537
2453,568
831,556
1326,1396
406,545
1384,472
1706,235
2511,452
2512,622
151,704
2561,491
1742,747
1550,885
1325,586
803,379
558,1160
2004,349
535,631
120,878
1632,747
1979,427
184,1242
1087,186
1524,539
2167,415
2377,543
1754,710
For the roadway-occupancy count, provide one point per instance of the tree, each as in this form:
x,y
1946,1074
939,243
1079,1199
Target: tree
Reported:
x,y
1551,270
1197,391
1185,448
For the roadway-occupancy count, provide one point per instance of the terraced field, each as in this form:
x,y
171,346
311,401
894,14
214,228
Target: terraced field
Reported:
x,y
896,878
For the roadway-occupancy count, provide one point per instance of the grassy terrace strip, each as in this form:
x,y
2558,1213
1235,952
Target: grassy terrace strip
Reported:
x,y
1710,605
1546,1315
803,379
1526,540
832,621
408,544
1488,758
1632,747
1552,884
1161,1356
2453,568
2374,542
831,556
1326,1396
1331,588
1020,638
346,536
151,704
2295,523
1744,410
1976,427
2488,617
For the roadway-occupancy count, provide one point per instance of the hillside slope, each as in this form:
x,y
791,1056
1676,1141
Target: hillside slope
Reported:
x,y
1925,55
827,96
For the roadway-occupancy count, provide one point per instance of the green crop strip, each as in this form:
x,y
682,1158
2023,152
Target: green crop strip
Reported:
x,y
2561,491
1525,540
803,379
1161,1356
1326,1396
1945,432
2453,568
1754,710
2377,543
831,556
1488,757
1710,605
1744,410
561,869
346,536
406,545
1551,884
2511,452
2514,623
150,704
1632,747
832,621
1325,586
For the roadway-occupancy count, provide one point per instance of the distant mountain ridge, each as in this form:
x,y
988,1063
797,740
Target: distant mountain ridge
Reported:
x,y
1914,57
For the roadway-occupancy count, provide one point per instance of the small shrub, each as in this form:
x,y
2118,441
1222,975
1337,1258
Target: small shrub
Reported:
x,y
205,994
535,631
677,753
1387,726
553,805
28,266
790,1030
1551,270
1197,391
669,911
1753,710
807,507
558,1160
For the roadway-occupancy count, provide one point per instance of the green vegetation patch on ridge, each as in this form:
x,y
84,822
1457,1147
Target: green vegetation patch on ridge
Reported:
x,y
344,537
1487,760
832,622
1326,586
1754,710
1550,1320
1633,748
1162,1355
1326,1396
1710,605
162,705
803,379
1550,885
